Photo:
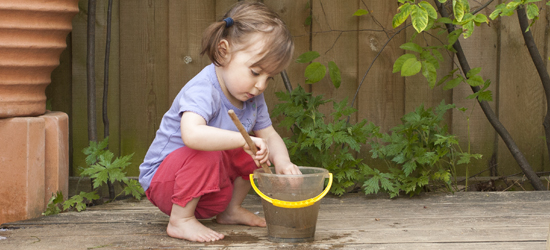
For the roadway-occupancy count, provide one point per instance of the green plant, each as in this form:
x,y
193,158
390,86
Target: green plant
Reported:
x,y
418,152
102,169
316,142
462,21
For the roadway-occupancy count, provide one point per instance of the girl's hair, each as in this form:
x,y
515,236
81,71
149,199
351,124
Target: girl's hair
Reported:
x,y
251,18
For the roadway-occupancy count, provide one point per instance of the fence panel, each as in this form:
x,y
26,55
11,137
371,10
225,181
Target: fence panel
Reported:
x,y
153,39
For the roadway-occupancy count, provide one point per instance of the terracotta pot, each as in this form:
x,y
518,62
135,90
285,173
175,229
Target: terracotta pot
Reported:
x,y
32,36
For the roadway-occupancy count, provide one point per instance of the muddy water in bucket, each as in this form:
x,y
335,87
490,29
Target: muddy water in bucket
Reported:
x,y
291,224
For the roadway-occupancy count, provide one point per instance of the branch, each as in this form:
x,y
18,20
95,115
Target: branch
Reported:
x,y
90,71
493,119
539,65
482,7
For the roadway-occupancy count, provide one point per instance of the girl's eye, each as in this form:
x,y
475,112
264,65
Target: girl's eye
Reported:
x,y
254,73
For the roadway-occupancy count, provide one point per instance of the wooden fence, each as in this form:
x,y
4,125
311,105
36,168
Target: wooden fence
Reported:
x,y
151,41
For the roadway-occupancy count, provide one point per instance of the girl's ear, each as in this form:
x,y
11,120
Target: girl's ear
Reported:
x,y
224,49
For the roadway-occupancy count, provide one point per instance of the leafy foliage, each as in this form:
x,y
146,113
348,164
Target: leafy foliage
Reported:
x,y
426,59
53,204
418,152
316,71
316,142
101,168
78,201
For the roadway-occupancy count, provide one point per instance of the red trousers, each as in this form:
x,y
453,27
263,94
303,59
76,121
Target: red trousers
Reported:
x,y
186,174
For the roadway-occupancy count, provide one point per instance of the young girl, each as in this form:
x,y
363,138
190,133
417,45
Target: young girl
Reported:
x,y
198,164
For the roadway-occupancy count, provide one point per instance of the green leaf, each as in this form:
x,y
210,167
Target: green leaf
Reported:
x,y
134,188
453,36
401,60
475,81
429,71
468,29
307,57
419,17
495,14
409,167
334,73
438,55
480,18
315,72
307,22
513,5
473,72
532,11
411,67
401,17
453,83
458,9
360,12
411,46
485,96
432,13
445,20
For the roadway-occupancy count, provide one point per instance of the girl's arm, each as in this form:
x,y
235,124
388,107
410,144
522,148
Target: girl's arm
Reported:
x,y
197,135
278,154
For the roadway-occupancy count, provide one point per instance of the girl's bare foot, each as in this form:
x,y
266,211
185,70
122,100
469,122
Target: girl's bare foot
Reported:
x,y
191,229
239,215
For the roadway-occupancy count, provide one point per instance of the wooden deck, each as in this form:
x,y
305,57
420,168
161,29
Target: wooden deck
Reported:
x,y
475,220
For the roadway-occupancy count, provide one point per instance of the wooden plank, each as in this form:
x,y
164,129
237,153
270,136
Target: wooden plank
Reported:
x,y
79,119
188,20
481,51
521,96
335,38
465,220
381,97
143,75
293,13
417,90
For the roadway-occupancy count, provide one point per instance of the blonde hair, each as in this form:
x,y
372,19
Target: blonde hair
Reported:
x,y
251,18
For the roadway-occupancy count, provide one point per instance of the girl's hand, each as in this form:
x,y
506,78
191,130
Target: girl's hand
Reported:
x,y
289,168
262,153
292,169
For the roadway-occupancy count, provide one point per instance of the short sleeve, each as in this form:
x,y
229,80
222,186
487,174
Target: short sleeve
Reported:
x,y
263,120
201,99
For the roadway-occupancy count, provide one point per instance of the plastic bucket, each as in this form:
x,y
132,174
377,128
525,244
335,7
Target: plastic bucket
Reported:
x,y
291,202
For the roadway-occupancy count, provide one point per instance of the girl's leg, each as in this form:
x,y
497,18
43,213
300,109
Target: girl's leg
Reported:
x,y
234,213
187,186
184,225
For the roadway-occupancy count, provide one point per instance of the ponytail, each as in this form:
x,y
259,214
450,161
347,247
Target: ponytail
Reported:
x,y
242,21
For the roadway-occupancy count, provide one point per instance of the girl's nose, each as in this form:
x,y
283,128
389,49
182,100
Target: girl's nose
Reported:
x,y
261,84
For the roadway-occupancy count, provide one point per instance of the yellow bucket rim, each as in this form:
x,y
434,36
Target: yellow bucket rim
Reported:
x,y
292,204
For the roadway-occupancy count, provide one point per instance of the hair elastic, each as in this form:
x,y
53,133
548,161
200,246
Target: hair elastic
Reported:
x,y
228,22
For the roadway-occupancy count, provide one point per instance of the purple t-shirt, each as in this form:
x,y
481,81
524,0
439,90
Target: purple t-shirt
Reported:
x,y
201,95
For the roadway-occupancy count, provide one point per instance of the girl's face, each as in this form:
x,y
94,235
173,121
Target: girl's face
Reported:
x,y
240,80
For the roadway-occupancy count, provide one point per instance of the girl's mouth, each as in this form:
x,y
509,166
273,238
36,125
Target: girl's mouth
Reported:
x,y
249,95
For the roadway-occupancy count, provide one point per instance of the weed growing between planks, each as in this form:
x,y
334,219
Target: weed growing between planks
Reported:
x,y
101,168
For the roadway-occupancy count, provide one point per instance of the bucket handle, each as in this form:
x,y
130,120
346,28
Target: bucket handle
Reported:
x,y
292,204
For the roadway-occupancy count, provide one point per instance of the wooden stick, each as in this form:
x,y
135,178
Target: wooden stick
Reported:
x,y
246,137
